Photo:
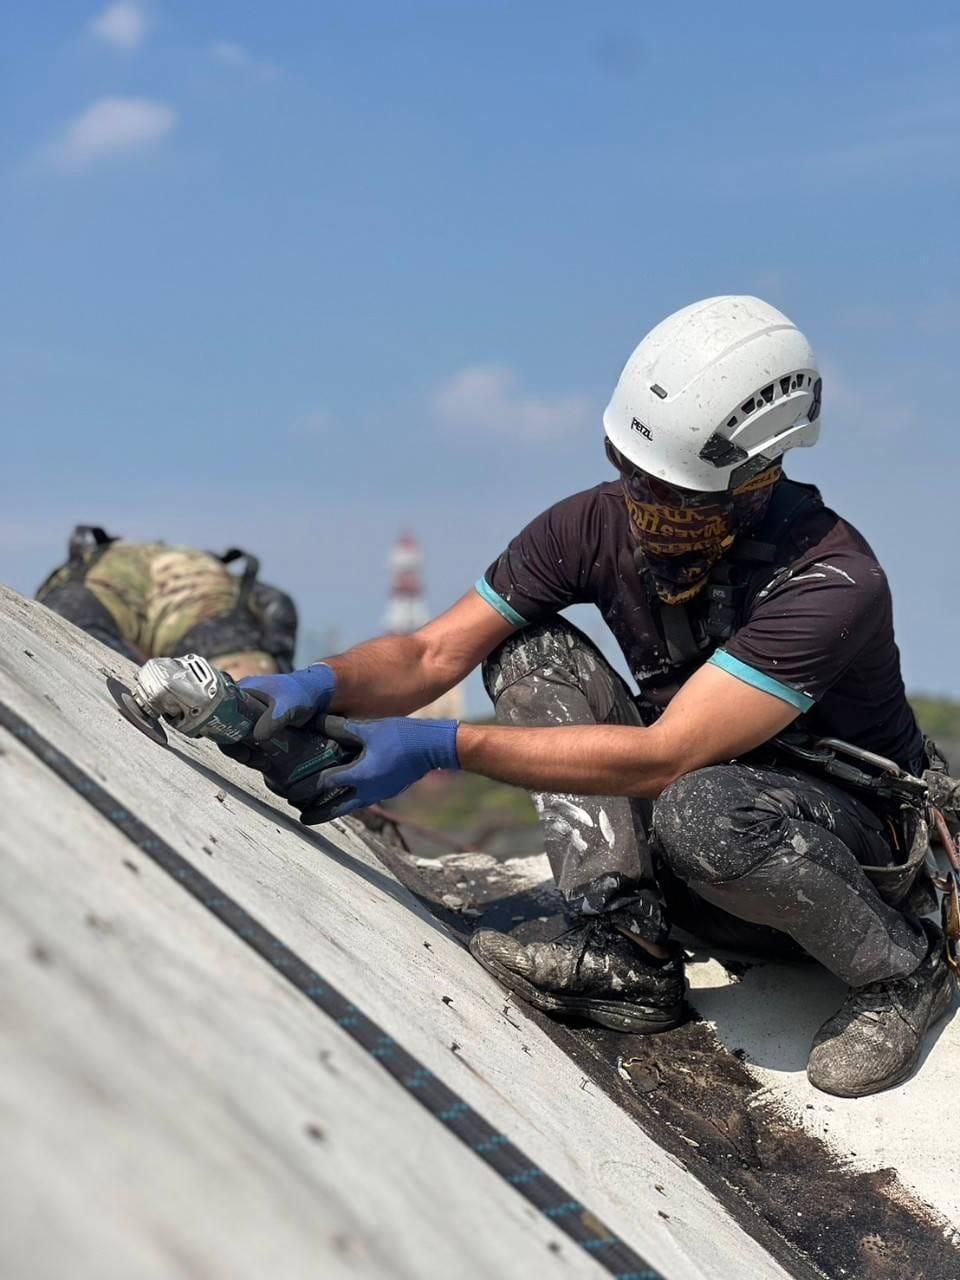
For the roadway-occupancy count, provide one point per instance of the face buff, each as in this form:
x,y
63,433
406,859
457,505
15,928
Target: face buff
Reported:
x,y
682,535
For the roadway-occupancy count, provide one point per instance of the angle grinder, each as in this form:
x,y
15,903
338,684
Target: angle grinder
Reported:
x,y
200,701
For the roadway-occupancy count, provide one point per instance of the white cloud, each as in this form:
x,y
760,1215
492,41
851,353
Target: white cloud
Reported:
x,y
123,24
109,127
486,400
234,55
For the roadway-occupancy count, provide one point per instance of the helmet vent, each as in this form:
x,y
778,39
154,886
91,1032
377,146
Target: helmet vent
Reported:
x,y
658,391
767,395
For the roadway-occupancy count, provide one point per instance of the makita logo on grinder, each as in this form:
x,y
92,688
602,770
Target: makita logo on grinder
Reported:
x,y
637,425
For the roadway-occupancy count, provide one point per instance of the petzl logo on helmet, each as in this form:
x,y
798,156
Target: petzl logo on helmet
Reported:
x,y
637,425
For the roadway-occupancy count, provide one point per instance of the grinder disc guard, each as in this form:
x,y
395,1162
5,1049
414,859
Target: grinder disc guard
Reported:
x,y
128,707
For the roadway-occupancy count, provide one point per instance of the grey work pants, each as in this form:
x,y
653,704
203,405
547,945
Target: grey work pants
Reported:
x,y
743,854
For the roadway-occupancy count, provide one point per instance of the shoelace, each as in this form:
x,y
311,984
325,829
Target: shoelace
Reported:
x,y
588,929
867,1000
874,999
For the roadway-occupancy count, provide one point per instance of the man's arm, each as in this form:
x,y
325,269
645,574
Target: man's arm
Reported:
x,y
714,718
394,675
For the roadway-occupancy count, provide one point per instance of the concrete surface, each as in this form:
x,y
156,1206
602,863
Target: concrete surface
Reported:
x,y
170,1107
773,1013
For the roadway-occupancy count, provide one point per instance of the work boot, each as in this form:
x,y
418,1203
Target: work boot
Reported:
x,y
874,1039
592,971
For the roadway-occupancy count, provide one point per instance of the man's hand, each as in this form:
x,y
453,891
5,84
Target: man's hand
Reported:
x,y
389,756
291,699
276,769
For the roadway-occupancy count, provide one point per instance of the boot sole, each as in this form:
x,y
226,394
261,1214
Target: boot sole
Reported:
x,y
618,1015
941,1007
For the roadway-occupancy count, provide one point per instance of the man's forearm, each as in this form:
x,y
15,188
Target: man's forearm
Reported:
x,y
714,718
385,677
394,675
579,759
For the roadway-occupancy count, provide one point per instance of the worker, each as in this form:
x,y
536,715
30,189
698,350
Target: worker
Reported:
x,y
757,622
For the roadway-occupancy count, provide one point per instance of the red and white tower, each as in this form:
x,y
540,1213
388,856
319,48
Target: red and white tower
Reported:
x,y
407,609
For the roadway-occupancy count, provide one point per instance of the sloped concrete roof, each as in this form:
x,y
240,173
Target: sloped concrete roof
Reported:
x,y
172,1106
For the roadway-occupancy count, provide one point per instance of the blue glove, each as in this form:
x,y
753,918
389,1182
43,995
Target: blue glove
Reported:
x,y
388,756
291,699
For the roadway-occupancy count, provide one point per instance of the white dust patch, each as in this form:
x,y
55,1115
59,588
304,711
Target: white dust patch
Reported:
x,y
606,829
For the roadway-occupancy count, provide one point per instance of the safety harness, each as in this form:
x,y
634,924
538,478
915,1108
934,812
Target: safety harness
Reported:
x,y
922,803
690,633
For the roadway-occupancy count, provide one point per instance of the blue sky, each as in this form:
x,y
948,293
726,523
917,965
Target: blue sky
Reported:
x,y
299,276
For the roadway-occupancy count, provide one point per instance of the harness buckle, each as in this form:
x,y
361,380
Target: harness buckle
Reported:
x,y
723,609
894,781
857,768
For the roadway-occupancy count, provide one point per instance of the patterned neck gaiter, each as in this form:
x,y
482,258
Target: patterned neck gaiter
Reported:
x,y
682,538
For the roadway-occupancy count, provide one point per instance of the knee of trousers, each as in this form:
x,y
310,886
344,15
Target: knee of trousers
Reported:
x,y
551,644
708,829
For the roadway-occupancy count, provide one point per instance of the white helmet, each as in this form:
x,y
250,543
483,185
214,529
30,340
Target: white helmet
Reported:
x,y
714,386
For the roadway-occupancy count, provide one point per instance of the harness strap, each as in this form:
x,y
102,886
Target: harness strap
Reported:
x,y
678,634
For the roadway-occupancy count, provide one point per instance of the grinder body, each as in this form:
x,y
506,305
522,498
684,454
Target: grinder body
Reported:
x,y
200,701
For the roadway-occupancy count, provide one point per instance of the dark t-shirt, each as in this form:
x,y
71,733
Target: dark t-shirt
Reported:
x,y
818,632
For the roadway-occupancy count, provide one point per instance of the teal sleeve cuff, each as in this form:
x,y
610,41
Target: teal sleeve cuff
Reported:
x,y
749,675
486,592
